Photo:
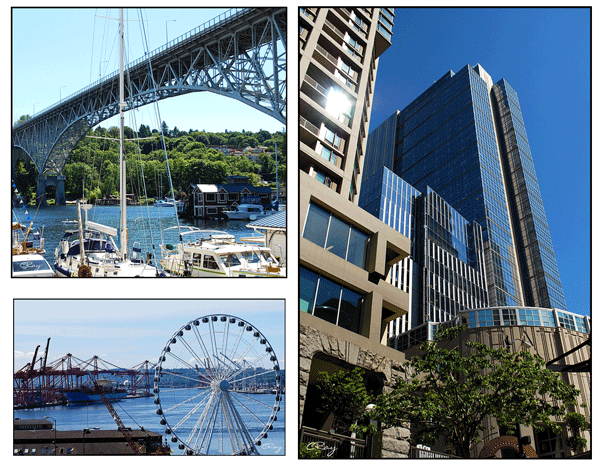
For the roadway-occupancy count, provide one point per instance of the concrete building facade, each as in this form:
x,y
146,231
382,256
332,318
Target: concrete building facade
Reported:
x,y
562,339
345,253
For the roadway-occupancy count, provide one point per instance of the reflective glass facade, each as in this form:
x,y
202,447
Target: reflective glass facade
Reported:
x,y
336,236
445,271
539,271
464,139
330,301
499,317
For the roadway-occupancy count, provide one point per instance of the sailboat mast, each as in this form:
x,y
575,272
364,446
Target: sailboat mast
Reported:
x,y
123,179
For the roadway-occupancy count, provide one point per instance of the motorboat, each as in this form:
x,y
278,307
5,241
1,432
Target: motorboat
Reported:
x,y
28,252
246,211
167,202
31,266
208,254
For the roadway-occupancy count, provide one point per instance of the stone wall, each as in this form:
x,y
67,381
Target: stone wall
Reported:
x,y
313,341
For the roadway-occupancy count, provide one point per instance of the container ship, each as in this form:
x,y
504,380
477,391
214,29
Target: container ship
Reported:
x,y
86,395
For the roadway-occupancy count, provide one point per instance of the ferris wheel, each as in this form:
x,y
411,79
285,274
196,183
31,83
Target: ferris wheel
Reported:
x,y
217,387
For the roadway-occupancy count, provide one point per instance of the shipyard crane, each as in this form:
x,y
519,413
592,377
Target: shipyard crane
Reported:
x,y
46,356
31,369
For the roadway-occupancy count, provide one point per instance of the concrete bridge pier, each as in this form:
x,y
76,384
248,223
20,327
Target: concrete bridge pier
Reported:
x,y
57,181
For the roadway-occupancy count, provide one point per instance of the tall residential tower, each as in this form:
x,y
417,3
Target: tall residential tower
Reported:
x,y
345,253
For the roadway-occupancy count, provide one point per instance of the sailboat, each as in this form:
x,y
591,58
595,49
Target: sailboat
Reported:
x,y
90,251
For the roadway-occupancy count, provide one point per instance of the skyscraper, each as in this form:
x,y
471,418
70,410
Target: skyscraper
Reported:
x,y
464,139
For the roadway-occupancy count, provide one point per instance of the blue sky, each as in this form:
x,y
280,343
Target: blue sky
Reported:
x,y
126,332
544,53
58,51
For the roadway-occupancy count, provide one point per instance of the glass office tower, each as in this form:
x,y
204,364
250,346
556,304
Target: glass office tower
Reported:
x,y
464,138
445,272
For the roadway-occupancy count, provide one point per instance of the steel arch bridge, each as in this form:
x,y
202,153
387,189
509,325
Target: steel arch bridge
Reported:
x,y
240,54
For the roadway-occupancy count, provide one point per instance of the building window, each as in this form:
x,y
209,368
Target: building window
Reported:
x,y
332,138
336,236
340,106
330,301
326,153
308,287
548,444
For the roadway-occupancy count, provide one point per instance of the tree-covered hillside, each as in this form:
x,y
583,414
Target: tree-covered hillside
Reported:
x,y
93,165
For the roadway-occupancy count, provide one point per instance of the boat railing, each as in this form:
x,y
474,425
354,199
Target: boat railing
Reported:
x,y
281,261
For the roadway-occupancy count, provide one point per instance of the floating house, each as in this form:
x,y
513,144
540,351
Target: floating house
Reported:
x,y
210,200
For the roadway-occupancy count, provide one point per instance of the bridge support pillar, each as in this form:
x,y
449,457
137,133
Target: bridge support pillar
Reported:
x,y
57,181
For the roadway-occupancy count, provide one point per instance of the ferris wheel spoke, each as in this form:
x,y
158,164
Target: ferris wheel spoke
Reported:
x,y
248,410
180,376
249,377
245,395
237,341
204,350
189,414
241,370
241,435
213,339
192,352
207,417
242,357
167,410
185,363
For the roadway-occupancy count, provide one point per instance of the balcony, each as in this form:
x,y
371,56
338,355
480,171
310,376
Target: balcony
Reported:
x,y
330,63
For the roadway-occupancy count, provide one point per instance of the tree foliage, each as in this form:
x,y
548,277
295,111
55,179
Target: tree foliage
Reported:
x,y
447,393
94,163
576,423
345,395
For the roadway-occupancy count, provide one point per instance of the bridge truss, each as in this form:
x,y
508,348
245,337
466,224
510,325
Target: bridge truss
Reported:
x,y
241,54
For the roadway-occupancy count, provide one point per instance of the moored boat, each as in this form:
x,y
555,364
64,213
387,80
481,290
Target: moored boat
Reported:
x,y
217,254
27,252
87,395
247,211
162,203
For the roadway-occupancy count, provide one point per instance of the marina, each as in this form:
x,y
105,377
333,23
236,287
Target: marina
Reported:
x,y
148,225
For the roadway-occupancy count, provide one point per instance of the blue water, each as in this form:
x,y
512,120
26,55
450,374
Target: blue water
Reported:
x,y
146,225
138,412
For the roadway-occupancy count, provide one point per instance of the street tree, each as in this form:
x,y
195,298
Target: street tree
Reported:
x,y
447,393
345,395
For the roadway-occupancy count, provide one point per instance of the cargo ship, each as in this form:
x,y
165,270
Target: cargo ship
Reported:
x,y
86,395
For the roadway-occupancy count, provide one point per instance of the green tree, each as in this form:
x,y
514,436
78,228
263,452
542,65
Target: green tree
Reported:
x,y
345,395
447,393
576,423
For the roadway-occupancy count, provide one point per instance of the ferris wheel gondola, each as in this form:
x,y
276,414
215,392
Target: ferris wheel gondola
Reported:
x,y
218,387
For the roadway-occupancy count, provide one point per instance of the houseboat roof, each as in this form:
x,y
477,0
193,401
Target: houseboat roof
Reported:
x,y
274,221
